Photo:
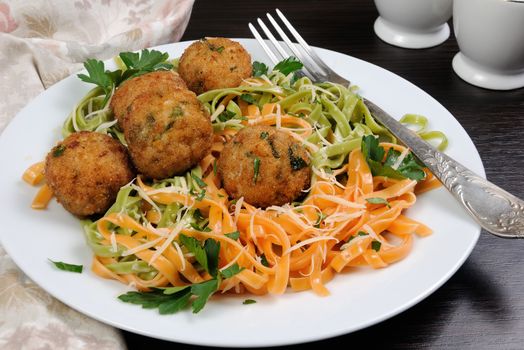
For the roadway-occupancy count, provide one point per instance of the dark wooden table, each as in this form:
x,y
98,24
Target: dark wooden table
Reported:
x,y
482,305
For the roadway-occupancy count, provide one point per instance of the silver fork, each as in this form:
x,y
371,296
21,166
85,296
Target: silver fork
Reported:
x,y
496,210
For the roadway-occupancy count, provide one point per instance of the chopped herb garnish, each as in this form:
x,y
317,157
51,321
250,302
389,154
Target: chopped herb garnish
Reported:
x,y
231,271
264,135
256,165
249,301
177,112
264,261
169,126
150,118
214,167
58,150
197,214
201,195
259,69
321,217
198,180
297,163
288,65
233,235
225,116
378,200
248,98
375,245
198,228
360,233
274,150
219,49
67,267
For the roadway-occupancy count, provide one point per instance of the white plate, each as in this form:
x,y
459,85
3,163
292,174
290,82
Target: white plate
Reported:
x,y
358,299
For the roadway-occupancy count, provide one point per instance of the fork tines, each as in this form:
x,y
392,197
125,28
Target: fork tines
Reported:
x,y
314,67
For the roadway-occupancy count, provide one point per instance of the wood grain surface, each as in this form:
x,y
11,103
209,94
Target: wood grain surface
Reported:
x,y
482,305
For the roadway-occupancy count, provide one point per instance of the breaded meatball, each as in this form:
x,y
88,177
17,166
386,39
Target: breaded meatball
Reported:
x,y
167,134
86,170
160,81
264,165
214,63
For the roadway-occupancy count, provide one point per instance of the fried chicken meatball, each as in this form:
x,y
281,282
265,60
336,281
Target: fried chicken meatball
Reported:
x,y
214,63
167,134
160,81
86,170
265,166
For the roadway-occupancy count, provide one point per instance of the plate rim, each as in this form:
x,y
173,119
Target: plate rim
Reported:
x,y
308,338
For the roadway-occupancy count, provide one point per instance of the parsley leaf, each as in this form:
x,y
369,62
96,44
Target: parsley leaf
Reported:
x,y
173,290
201,195
378,200
231,271
233,235
374,154
249,301
148,300
99,76
145,61
259,69
264,135
176,303
194,246
288,65
197,214
248,98
375,245
58,150
264,261
198,180
225,116
198,228
67,267
169,302
212,249
409,167
371,149
203,292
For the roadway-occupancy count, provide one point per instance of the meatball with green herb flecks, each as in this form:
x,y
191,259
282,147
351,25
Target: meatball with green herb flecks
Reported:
x,y
214,63
167,134
163,81
264,165
86,170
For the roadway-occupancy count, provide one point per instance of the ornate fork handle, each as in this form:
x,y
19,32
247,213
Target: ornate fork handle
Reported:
x,y
496,210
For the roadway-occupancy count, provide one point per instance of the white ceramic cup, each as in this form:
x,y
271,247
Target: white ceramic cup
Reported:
x,y
413,24
490,35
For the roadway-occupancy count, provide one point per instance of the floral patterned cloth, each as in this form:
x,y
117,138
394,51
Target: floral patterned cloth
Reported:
x,y
41,42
